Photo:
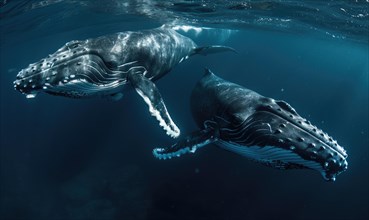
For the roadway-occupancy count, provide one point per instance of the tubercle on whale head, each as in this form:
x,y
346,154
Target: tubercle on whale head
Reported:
x,y
52,70
290,131
75,61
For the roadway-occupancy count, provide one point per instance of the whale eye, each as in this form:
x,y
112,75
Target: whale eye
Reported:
x,y
285,106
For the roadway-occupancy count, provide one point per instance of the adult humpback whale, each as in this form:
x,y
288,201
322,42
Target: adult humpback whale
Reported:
x,y
104,65
263,129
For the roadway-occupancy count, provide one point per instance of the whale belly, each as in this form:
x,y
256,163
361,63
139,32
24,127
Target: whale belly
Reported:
x,y
84,89
271,156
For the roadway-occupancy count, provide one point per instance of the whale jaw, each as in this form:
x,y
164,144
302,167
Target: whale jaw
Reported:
x,y
75,70
275,135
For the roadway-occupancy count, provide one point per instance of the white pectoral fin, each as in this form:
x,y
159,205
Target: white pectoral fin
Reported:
x,y
185,145
150,94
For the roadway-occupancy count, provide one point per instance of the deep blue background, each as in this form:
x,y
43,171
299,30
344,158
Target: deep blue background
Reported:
x,y
91,159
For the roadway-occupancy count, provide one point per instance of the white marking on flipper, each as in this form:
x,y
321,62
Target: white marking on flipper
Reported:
x,y
158,152
173,133
188,144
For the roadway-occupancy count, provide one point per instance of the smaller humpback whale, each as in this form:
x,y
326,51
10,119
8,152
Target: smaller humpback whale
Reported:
x,y
103,67
262,129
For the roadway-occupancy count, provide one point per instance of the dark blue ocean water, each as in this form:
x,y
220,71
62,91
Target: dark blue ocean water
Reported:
x,y
92,159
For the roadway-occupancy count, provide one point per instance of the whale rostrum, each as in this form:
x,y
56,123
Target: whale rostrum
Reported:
x,y
103,67
262,129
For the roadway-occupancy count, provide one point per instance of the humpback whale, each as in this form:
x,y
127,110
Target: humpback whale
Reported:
x,y
262,129
103,67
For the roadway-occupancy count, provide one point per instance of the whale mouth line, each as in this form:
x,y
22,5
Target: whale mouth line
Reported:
x,y
101,62
93,59
313,134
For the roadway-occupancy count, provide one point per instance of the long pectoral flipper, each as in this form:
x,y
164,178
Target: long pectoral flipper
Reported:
x,y
148,91
189,144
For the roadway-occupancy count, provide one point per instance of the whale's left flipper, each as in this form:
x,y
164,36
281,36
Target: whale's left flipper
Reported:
x,y
151,95
188,144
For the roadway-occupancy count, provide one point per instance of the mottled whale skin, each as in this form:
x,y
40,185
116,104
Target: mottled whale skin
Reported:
x,y
260,128
103,66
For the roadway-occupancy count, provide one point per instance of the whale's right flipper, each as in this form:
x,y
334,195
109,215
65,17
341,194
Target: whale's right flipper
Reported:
x,y
151,95
188,144
212,49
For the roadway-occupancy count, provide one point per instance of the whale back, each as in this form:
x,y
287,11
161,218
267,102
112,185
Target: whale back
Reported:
x,y
217,99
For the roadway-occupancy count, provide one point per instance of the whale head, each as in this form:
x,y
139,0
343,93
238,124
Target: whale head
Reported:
x,y
79,68
266,130
292,141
